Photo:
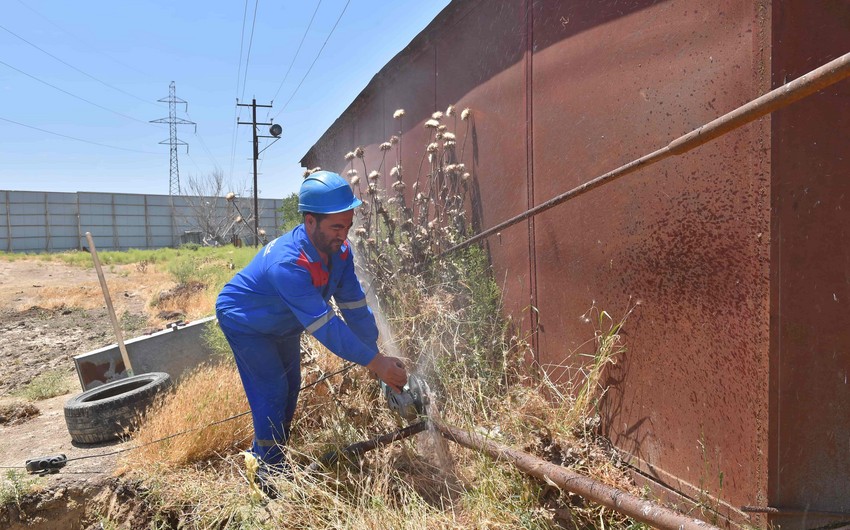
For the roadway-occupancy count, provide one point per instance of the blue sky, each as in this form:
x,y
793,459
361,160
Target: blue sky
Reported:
x,y
94,70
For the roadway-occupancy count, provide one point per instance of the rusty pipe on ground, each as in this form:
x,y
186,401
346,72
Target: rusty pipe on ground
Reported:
x,y
645,511
805,85
359,448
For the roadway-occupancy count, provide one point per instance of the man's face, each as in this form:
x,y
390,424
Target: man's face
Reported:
x,y
329,234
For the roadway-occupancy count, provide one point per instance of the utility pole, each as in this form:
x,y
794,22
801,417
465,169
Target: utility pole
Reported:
x,y
173,121
272,129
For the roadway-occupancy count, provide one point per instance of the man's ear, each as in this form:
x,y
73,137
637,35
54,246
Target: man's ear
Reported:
x,y
309,221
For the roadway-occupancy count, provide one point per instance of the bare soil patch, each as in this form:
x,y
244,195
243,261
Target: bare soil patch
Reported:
x,y
50,312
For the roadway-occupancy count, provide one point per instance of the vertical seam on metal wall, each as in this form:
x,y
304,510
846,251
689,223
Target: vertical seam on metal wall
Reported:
x,y
115,241
529,160
46,223
79,224
8,225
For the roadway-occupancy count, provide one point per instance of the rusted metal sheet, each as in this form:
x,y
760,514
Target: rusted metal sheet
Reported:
x,y
688,238
563,92
810,330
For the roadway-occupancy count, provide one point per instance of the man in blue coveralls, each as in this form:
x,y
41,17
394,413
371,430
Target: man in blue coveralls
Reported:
x,y
284,291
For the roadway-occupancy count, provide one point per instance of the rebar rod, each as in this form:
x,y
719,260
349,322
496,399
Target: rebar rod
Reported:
x,y
367,445
642,510
805,85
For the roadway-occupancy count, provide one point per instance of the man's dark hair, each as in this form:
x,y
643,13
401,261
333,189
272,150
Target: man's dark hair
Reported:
x,y
319,216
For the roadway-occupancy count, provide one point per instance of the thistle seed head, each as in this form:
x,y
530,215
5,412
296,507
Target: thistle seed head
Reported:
x,y
399,186
355,180
393,139
432,147
432,124
374,175
359,152
352,172
360,231
437,115
450,144
395,172
230,196
442,128
349,156
450,111
386,146
448,136
398,114
465,114
465,177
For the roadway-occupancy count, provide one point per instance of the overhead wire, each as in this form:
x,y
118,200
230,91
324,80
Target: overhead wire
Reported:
x,y
314,60
78,139
65,30
344,369
236,107
73,95
298,50
204,144
250,44
69,65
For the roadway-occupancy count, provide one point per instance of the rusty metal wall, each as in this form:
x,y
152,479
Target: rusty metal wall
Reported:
x,y
562,92
687,239
810,330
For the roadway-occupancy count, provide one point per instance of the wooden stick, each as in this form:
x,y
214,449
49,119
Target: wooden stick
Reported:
x,y
111,310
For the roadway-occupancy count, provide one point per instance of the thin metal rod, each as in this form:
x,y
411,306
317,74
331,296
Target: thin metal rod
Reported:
x,y
359,448
793,511
805,85
642,510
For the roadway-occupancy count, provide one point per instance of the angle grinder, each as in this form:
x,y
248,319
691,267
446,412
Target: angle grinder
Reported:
x,y
413,400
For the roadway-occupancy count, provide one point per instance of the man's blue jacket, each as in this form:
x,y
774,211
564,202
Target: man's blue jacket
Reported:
x,y
286,289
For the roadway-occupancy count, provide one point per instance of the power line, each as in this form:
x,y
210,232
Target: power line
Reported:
x,y
60,28
298,50
77,139
204,145
72,95
314,60
192,429
104,83
250,44
237,109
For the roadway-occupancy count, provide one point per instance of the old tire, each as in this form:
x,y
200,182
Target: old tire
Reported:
x,y
104,413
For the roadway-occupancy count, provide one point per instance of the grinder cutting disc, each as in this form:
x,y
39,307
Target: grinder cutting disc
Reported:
x,y
412,401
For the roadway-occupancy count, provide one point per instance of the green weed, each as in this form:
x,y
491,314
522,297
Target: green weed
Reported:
x,y
15,485
46,385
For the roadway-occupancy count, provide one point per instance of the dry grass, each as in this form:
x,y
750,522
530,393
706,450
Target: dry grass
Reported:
x,y
444,316
210,394
422,482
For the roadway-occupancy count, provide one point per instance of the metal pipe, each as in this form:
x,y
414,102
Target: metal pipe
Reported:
x,y
645,511
359,448
805,85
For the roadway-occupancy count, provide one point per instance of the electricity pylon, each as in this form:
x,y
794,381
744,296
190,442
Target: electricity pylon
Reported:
x,y
173,121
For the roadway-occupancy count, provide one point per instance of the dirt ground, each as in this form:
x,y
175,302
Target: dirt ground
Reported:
x,y
50,312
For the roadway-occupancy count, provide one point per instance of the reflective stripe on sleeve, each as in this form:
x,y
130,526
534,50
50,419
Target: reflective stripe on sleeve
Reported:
x,y
319,322
352,305
266,443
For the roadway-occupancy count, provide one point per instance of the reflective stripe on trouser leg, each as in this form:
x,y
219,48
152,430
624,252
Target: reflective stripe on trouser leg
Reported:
x,y
270,370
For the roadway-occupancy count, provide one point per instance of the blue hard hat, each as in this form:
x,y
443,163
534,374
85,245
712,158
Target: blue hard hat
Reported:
x,y
326,192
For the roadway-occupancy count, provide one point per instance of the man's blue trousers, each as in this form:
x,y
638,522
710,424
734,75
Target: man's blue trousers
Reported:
x,y
270,369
